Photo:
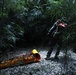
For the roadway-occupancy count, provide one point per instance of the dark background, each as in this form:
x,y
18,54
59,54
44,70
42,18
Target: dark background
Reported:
x,y
26,23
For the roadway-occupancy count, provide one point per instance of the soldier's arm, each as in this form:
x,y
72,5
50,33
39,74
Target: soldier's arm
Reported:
x,y
52,29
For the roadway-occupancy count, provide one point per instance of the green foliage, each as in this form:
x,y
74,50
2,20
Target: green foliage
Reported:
x,y
33,18
9,34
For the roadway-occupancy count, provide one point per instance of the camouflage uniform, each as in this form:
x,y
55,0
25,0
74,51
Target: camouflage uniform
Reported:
x,y
56,37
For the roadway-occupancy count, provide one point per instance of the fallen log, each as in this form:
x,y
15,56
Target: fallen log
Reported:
x,y
32,57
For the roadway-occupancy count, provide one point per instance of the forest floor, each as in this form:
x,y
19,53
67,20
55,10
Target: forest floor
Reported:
x,y
62,66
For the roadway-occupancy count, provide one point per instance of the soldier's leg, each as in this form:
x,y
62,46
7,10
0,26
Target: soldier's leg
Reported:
x,y
49,52
57,52
59,45
52,44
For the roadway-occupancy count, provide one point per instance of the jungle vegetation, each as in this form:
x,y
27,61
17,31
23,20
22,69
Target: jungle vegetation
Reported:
x,y
26,22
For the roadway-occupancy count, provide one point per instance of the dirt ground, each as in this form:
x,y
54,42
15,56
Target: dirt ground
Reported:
x,y
62,66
